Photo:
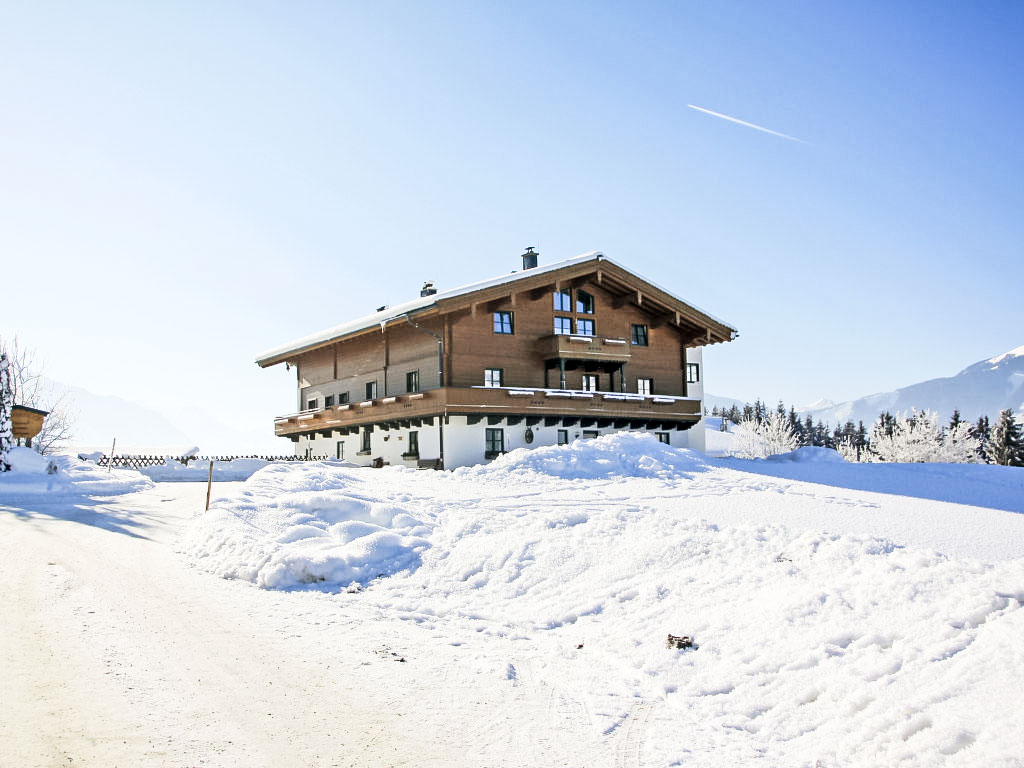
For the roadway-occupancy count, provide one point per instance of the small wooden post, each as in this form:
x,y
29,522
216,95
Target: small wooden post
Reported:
x,y
209,485
110,461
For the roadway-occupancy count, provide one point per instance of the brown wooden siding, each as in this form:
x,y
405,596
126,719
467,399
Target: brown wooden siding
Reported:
x,y
475,346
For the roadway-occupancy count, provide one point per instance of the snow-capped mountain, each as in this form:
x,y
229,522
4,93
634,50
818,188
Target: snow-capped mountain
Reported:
x,y
985,388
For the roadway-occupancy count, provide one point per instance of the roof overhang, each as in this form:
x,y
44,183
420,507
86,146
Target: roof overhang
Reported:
x,y
697,327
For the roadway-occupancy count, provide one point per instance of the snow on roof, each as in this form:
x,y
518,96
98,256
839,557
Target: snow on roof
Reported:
x,y
386,315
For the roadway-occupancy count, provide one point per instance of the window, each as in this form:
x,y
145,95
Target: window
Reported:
x,y
640,335
663,437
563,301
692,373
590,434
495,443
563,436
412,381
492,377
340,449
342,398
328,401
590,382
584,303
503,322
413,451
645,386
311,404
364,446
563,326
585,327
371,390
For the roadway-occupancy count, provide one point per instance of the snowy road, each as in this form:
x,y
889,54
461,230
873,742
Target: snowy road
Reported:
x,y
116,653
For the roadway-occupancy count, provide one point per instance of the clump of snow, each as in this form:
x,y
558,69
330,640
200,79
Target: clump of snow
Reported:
x,y
293,525
809,453
32,474
623,454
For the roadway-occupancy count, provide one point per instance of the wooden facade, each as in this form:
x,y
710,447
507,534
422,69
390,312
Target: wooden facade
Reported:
x,y
587,344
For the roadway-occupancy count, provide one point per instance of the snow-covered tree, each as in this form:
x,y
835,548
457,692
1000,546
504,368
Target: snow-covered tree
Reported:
x,y
6,403
983,432
918,437
772,435
30,388
1006,445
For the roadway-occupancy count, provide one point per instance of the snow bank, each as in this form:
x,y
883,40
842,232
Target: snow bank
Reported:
x,y
624,454
198,471
808,454
293,525
31,474
814,647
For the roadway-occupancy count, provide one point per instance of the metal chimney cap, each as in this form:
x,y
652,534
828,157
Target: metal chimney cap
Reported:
x,y
530,258
428,289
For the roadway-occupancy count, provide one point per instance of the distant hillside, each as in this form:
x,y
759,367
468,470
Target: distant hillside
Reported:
x,y
985,388
98,419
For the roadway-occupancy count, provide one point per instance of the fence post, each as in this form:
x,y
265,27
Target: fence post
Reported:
x,y
209,486
112,446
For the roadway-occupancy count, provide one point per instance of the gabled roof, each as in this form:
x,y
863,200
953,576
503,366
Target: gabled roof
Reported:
x,y
707,329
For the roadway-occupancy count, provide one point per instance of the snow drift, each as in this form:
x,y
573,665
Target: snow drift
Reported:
x,y
32,474
294,525
816,644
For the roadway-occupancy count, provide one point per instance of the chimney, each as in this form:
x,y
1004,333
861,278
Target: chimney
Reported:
x,y
428,289
530,258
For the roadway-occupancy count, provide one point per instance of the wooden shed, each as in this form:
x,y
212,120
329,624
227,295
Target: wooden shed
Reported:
x,y
27,422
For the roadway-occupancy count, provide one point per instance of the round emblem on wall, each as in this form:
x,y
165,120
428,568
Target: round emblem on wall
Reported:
x,y
528,436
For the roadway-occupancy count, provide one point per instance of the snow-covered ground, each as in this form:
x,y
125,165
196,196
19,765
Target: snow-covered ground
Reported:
x,y
516,614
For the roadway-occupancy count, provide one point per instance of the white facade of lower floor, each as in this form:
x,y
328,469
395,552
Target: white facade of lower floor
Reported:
x,y
465,444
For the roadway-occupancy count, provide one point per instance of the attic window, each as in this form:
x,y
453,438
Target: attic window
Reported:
x,y
562,301
584,303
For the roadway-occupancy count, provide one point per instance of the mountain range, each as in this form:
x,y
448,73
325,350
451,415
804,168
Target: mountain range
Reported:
x,y
982,389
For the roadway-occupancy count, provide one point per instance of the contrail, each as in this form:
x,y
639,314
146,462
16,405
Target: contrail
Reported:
x,y
744,122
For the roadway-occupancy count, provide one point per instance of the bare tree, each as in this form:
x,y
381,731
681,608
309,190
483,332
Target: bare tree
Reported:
x,y
30,388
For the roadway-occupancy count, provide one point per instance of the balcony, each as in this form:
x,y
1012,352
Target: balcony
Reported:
x,y
420,408
574,347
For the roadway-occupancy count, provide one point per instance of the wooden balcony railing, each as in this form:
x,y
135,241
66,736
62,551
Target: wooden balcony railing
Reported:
x,y
490,401
574,347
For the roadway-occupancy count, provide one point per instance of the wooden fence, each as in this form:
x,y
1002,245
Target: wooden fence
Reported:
x,y
136,461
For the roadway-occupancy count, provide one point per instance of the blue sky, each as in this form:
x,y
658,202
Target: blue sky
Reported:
x,y
190,184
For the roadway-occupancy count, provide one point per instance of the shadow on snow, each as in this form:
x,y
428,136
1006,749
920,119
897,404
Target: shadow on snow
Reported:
x,y
979,485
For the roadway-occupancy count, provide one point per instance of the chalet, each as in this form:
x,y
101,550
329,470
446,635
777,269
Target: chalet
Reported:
x,y
574,349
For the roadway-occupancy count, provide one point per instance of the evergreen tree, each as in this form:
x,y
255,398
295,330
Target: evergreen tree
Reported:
x,y
886,423
955,420
808,432
760,412
6,404
748,413
982,431
861,439
796,426
734,414
820,435
1007,444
